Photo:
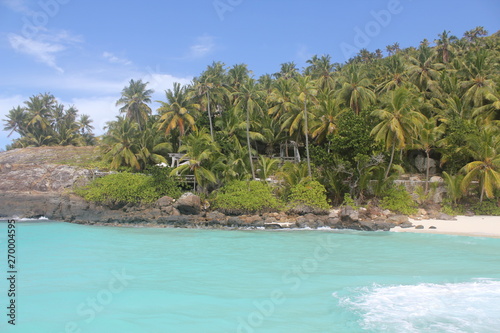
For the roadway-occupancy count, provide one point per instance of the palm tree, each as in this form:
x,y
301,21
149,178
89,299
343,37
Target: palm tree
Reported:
x,y
134,99
478,84
178,112
322,70
485,149
329,109
288,71
16,121
399,121
307,92
121,143
247,98
201,152
423,70
356,89
444,45
427,138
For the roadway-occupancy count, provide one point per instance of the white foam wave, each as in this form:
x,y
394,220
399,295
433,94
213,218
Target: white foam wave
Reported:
x,y
451,307
33,219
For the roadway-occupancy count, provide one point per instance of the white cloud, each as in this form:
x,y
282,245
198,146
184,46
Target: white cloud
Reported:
x,y
44,47
116,60
16,5
204,45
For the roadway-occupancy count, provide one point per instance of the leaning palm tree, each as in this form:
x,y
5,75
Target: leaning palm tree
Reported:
x,y
399,121
485,149
16,121
134,100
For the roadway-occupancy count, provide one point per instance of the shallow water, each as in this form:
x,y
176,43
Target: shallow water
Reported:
x,y
75,278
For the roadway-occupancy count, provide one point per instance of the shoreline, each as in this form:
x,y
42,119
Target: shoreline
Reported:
x,y
475,226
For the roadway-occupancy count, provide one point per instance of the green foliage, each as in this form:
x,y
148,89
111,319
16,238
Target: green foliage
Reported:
x,y
311,194
349,201
246,197
487,207
119,189
399,200
163,182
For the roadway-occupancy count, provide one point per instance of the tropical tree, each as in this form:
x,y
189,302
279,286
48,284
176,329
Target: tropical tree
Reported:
x,y
134,100
356,90
399,121
178,112
121,144
485,149
201,155
444,45
427,139
247,98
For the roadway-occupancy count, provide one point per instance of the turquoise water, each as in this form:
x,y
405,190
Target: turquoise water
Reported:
x,y
75,278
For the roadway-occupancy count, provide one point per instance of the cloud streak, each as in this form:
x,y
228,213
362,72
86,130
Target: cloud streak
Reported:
x,y
44,48
204,45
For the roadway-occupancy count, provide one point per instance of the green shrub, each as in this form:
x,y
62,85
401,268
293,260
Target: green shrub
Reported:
x,y
349,201
245,197
311,194
487,207
120,189
399,200
163,182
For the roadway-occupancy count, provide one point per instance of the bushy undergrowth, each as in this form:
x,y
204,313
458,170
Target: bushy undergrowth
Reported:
x,y
246,197
397,199
311,194
487,207
123,188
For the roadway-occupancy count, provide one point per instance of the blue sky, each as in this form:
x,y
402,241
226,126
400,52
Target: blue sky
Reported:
x,y
85,52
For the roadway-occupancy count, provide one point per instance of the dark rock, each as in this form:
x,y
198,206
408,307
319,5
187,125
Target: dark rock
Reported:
x,y
446,217
398,219
348,214
419,226
406,225
188,204
432,227
302,209
164,203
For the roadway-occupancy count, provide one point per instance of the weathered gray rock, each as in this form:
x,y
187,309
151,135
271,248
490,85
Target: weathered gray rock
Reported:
x,y
189,204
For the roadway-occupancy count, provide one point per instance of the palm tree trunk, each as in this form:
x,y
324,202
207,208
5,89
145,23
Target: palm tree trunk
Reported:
x,y
210,116
428,166
248,144
307,140
390,162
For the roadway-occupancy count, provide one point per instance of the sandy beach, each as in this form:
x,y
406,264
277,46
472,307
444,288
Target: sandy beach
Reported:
x,y
481,226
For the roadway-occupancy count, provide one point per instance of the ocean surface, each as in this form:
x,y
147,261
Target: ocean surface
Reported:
x,y
76,278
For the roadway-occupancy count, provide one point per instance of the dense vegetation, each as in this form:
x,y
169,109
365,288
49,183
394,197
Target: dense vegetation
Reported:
x,y
356,125
43,121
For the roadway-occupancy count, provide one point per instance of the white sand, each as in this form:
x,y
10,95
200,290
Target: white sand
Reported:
x,y
483,226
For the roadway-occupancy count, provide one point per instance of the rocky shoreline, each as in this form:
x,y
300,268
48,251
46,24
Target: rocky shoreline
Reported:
x,y
185,212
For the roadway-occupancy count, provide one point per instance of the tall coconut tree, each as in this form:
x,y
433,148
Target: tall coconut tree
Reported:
x,y
134,101
399,121
120,143
247,98
16,121
444,45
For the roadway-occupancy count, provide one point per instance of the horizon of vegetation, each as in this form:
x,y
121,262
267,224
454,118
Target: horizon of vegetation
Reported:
x,y
354,124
